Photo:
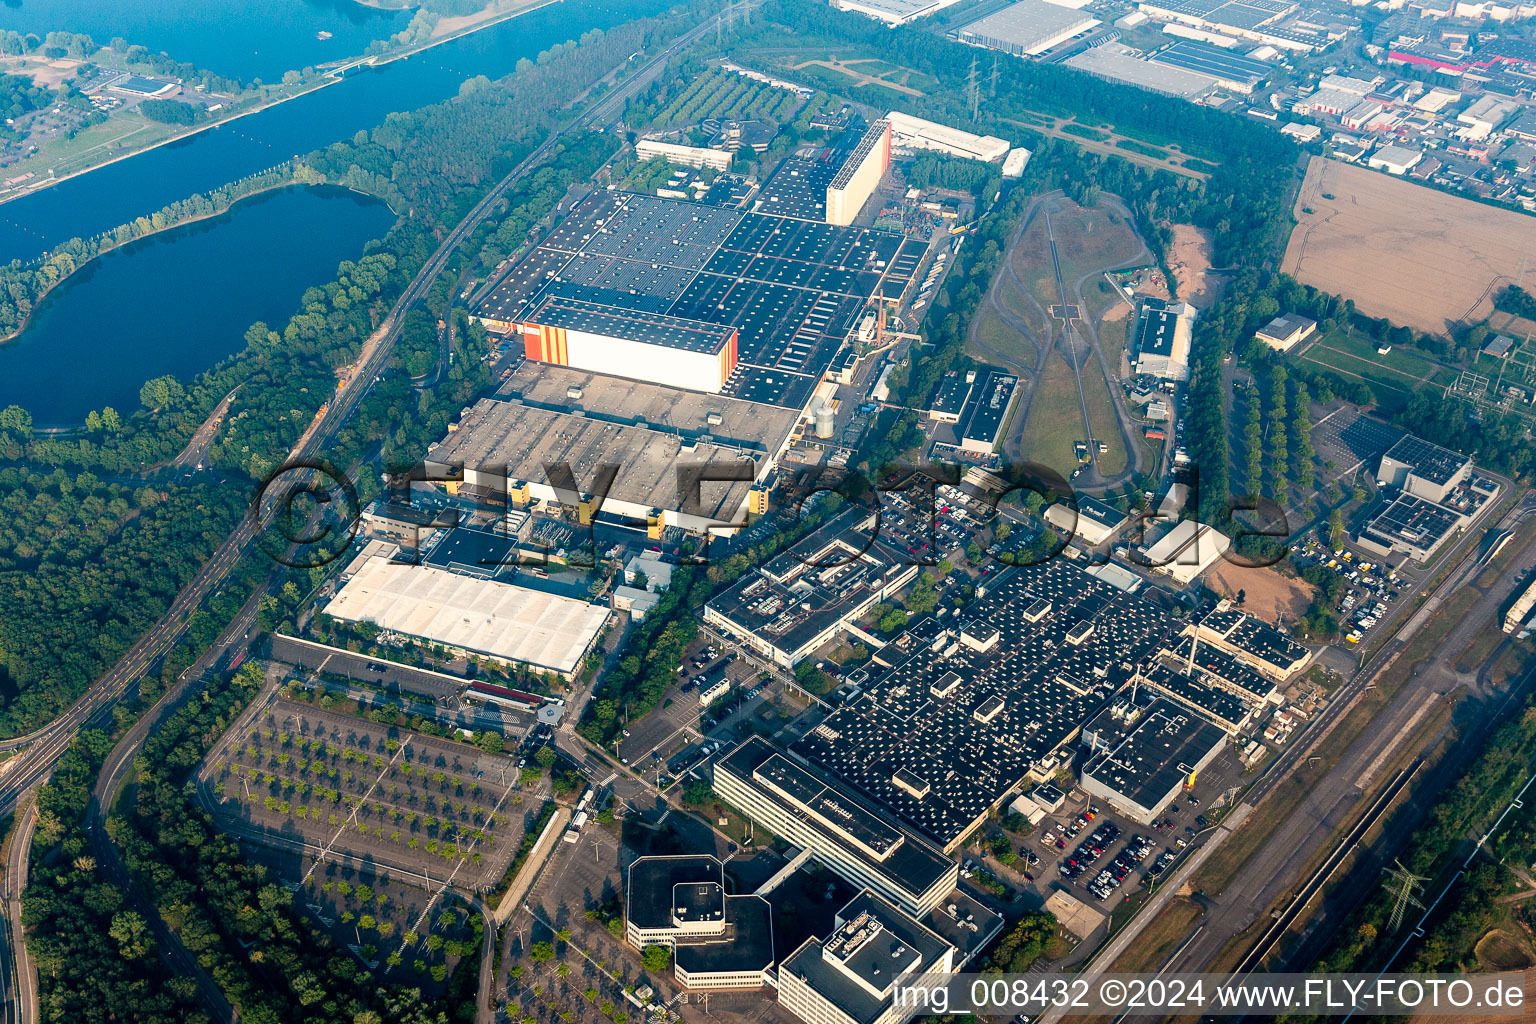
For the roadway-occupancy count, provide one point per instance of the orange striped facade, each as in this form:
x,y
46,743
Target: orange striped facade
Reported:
x,y
546,344
728,358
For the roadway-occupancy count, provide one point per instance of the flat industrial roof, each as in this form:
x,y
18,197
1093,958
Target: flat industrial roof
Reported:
x,y
988,407
1429,461
1116,62
573,314
1154,757
1025,26
525,439
792,288
912,864
498,619
1213,62
689,414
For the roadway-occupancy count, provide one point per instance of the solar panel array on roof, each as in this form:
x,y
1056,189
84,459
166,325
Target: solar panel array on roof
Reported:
x,y
793,289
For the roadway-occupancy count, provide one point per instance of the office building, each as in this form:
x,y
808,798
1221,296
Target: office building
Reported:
x,y
852,976
844,832
718,940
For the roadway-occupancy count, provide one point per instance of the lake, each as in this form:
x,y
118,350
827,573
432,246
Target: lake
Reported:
x,y
180,301
117,193
246,39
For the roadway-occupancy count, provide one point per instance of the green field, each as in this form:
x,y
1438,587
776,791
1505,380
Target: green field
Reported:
x,y
1055,419
1392,377
994,340
1101,413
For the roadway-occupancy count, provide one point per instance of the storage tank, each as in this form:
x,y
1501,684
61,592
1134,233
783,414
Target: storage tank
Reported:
x,y
826,424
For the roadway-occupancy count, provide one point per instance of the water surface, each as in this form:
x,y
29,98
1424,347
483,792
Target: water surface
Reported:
x,y
246,39
179,301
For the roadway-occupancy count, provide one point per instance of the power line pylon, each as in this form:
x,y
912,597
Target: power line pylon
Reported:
x,y
992,93
1404,886
972,92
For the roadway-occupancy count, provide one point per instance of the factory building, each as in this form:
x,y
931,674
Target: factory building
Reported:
x,y
859,175
894,12
1144,756
1162,339
640,345
1229,71
718,940
1286,331
477,616
841,831
1397,160
1093,522
852,976
1026,28
915,133
1116,62
1252,641
986,413
817,589
1423,469
1409,526
1435,495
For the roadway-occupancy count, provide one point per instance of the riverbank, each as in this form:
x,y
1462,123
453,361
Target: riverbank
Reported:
x,y
456,28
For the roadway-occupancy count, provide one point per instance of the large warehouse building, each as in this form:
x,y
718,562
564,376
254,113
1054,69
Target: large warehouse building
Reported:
x,y
893,12
478,616
915,133
629,343
1027,28
860,174
1119,63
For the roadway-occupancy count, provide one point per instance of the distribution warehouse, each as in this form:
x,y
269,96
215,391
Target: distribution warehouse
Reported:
x,y
1027,28
663,335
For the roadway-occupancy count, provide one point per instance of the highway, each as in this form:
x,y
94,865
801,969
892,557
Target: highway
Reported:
x,y
44,747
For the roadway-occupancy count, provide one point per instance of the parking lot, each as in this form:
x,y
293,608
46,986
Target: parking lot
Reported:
x,y
309,780
1099,855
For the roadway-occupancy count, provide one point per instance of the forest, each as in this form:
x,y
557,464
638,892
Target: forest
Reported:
x,y
86,567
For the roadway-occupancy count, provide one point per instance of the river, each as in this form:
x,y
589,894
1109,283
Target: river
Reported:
x,y
179,301
117,193
246,39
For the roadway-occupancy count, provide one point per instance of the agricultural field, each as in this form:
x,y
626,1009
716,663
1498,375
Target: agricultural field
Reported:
x,y
399,931
1392,377
304,780
1419,257
728,96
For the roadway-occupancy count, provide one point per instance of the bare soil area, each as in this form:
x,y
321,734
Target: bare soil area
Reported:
x,y
1266,593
